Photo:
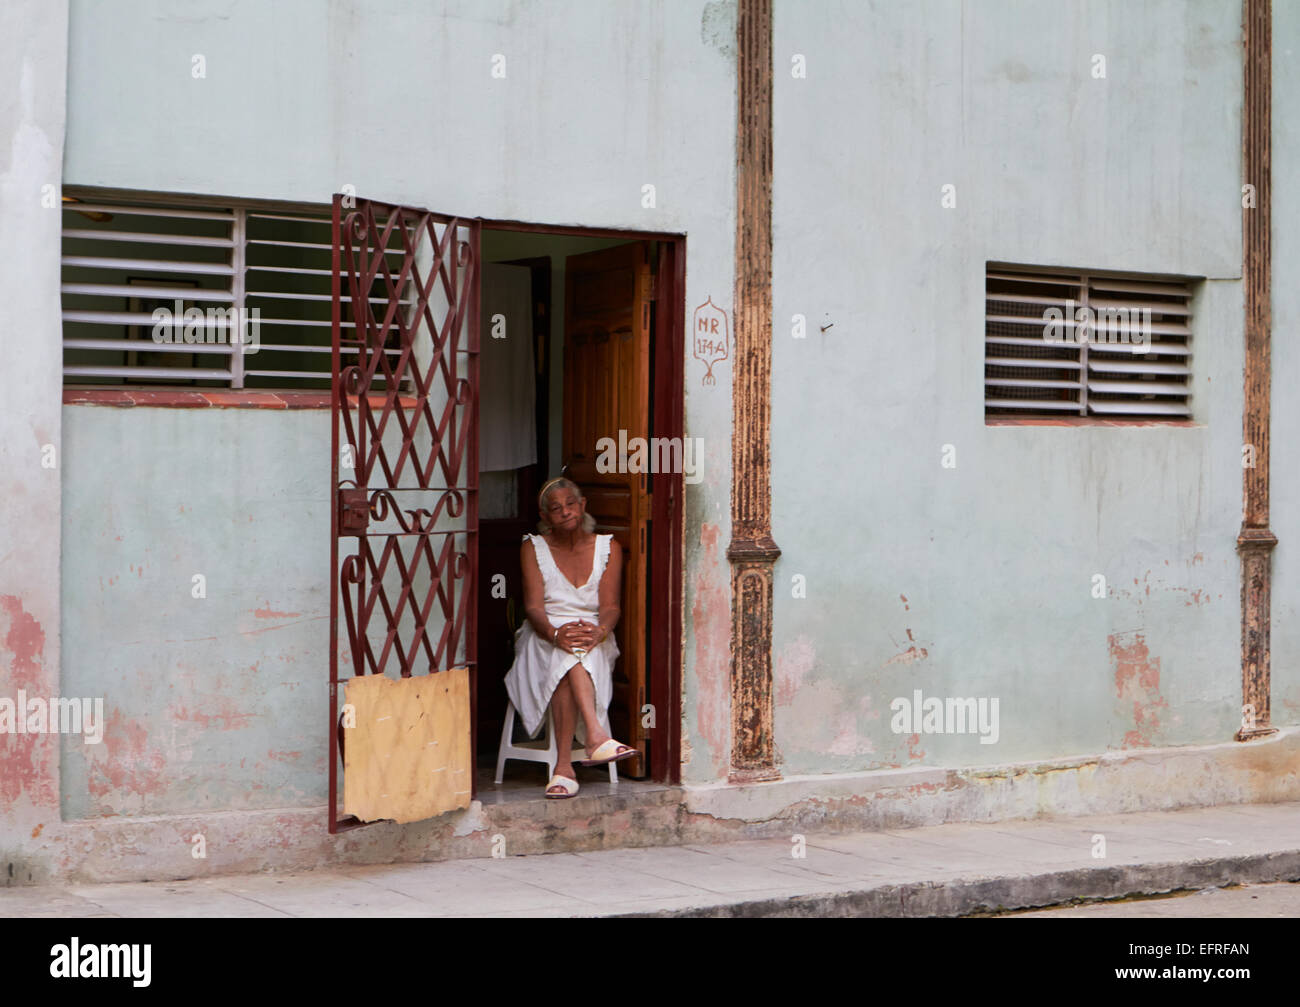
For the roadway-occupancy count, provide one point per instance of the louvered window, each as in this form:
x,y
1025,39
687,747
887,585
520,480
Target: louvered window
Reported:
x,y
1061,343
242,294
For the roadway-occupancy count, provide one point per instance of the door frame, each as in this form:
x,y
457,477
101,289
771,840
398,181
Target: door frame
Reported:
x,y
665,573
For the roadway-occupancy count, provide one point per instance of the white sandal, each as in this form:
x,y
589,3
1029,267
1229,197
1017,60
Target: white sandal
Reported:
x,y
608,751
569,786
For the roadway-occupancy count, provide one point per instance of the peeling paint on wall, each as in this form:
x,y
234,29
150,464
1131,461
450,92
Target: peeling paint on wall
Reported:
x,y
126,769
25,759
910,654
266,612
718,27
1143,586
1137,682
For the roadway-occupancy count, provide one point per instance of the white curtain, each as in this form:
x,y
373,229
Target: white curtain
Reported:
x,y
507,436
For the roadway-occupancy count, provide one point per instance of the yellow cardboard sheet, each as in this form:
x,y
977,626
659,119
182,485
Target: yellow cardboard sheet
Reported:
x,y
407,758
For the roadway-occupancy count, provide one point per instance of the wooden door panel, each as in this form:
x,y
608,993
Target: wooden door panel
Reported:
x,y
610,502
606,390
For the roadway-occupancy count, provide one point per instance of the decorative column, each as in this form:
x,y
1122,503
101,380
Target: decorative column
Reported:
x,y
1255,542
752,551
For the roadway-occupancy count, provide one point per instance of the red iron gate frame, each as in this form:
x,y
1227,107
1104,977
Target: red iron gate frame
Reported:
x,y
367,238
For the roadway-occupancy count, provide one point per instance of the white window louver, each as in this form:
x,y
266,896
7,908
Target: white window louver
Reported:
x,y
122,260
1086,343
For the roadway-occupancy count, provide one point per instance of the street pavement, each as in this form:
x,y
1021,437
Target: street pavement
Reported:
x,y
943,870
1278,901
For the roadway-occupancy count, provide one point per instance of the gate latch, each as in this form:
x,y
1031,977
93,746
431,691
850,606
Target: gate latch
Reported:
x,y
354,511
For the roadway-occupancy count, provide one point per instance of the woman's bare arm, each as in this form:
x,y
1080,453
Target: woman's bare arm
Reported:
x,y
611,592
535,593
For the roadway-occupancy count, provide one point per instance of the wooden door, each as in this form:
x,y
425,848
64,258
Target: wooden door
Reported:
x,y
607,297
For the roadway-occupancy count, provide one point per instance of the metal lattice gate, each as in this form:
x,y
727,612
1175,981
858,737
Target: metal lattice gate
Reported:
x,y
404,476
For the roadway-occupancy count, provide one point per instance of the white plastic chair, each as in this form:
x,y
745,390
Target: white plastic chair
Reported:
x,y
540,749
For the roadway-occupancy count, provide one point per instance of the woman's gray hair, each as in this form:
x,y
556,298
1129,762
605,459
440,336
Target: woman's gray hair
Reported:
x,y
588,521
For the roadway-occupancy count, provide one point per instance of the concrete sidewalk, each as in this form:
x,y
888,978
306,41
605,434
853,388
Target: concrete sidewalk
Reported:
x,y
943,870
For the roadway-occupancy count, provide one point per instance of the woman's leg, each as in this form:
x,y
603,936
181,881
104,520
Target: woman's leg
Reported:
x,y
562,707
582,691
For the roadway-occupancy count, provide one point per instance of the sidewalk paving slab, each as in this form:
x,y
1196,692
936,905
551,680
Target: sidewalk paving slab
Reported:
x,y
938,870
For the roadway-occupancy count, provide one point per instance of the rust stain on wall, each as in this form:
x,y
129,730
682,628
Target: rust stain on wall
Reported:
x,y
912,652
1137,681
908,656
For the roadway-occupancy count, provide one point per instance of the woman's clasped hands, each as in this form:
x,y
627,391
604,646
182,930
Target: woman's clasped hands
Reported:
x,y
579,636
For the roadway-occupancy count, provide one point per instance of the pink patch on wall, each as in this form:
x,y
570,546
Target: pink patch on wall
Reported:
x,y
25,642
27,765
268,613
792,667
1137,682
847,741
711,621
125,765
219,712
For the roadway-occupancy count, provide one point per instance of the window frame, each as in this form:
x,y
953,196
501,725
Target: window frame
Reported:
x,y
307,382
1107,386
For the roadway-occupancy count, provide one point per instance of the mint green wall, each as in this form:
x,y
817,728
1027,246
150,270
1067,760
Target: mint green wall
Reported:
x,y
1284,486
33,67
399,101
976,581
972,581
212,703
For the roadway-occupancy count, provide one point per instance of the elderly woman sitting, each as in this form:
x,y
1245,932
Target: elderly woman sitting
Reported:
x,y
564,653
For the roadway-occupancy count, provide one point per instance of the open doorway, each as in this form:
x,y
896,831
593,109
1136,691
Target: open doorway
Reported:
x,y
581,339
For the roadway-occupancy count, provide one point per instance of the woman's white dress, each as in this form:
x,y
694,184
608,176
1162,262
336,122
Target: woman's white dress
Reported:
x,y
539,666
